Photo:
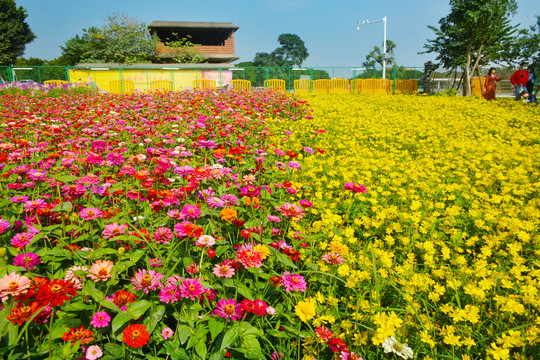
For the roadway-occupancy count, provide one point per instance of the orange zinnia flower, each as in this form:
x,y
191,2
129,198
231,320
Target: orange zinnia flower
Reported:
x,y
136,335
100,270
123,297
80,334
228,214
55,292
23,313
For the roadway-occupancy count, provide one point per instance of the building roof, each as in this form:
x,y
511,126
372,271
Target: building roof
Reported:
x,y
204,33
171,66
193,25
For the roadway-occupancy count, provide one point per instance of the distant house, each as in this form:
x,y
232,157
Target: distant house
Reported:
x,y
216,39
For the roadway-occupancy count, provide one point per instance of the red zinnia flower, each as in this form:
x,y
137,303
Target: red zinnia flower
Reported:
x,y
123,297
23,313
82,334
54,293
136,335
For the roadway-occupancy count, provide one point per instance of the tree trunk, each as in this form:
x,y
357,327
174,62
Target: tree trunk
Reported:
x,y
467,85
454,78
460,80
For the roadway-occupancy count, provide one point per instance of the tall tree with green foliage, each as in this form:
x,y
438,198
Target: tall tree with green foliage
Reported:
x,y
475,32
14,31
292,52
376,56
121,39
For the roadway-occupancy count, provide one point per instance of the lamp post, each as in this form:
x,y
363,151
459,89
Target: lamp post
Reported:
x,y
383,20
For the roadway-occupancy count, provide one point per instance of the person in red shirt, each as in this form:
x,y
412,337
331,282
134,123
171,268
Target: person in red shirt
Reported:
x,y
519,80
490,87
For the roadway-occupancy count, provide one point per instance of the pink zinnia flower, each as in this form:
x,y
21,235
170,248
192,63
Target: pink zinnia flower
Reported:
x,y
19,199
157,262
305,203
74,278
76,190
93,352
4,225
90,213
27,261
274,218
169,293
13,284
114,230
115,159
175,214
229,309
163,235
146,281
100,319
259,307
249,258
205,241
167,333
190,288
333,258
35,204
293,282
291,211
357,188
190,212
224,270
22,239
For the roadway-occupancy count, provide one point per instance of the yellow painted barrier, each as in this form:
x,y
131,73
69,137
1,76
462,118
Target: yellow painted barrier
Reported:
x,y
55,82
274,84
372,86
477,86
321,86
205,84
239,85
121,87
339,86
161,85
302,86
406,87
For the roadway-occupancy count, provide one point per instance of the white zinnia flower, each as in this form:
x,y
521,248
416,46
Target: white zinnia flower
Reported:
x,y
402,350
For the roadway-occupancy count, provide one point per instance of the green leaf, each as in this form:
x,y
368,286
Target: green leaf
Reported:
x,y
138,308
253,347
120,319
152,320
284,259
110,305
216,327
65,178
183,333
230,337
244,291
65,206
115,350
91,290
201,349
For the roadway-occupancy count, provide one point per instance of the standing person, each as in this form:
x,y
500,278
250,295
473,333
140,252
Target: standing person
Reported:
x,y
532,79
519,80
489,86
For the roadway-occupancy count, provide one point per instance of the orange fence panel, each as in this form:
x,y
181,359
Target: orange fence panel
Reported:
x,y
119,87
240,84
321,86
302,86
275,84
339,86
161,85
406,87
205,84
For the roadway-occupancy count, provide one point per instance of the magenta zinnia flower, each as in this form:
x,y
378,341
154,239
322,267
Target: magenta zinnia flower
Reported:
x,y
146,281
168,294
291,211
22,239
100,319
163,235
229,309
191,288
293,282
27,261
357,188
333,258
190,212
90,213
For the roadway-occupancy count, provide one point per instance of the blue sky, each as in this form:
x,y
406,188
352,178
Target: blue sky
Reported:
x,y
328,28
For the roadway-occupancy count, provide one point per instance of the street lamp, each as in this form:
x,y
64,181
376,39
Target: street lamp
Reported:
x,y
367,22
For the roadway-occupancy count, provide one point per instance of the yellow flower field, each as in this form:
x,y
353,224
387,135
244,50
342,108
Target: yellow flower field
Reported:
x,y
442,253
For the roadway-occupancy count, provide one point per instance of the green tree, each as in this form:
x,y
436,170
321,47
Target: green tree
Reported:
x,y
121,39
527,46
376,56
184,50
14,31
292,52
475,32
